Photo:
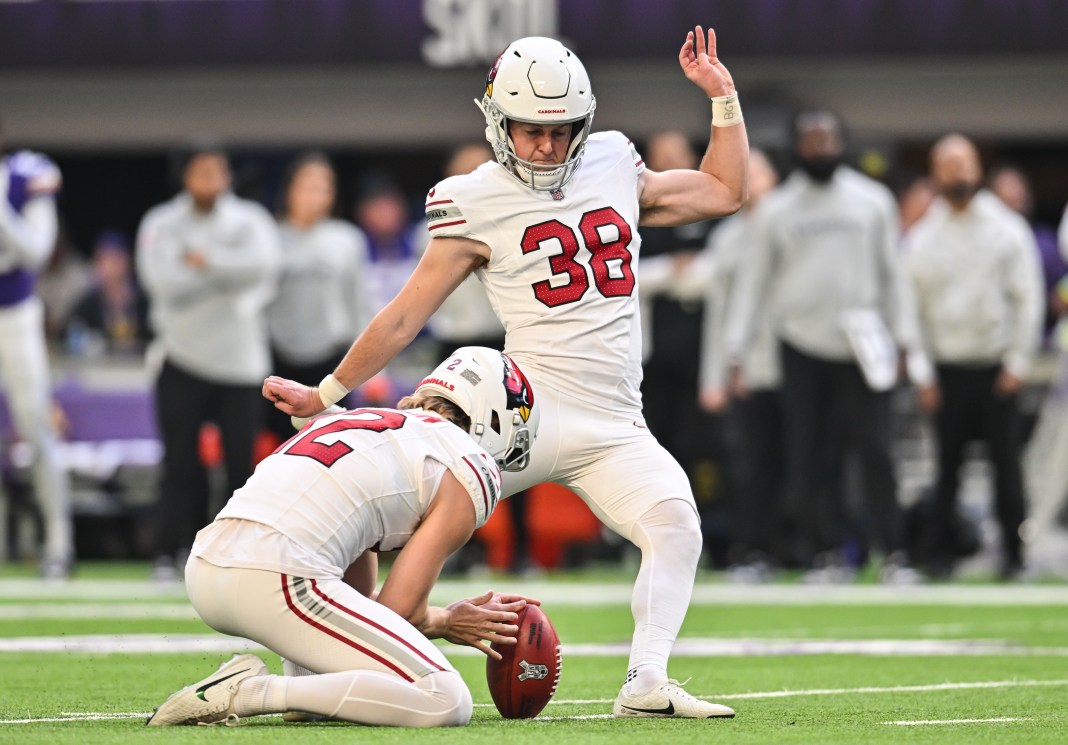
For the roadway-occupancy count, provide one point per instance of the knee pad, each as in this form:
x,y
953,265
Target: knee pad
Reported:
x,y
671,525
450,692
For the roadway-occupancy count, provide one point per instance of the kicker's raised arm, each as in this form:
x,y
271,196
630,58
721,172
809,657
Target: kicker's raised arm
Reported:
x,y
719,187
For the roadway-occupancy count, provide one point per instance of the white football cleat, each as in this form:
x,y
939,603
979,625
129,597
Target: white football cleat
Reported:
x,y
209,701
667,700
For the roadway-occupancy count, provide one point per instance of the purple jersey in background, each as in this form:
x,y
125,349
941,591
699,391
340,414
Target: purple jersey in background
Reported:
x,y
29,175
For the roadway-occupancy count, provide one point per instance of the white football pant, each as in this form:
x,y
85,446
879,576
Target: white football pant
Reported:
x,y
638,490
369,665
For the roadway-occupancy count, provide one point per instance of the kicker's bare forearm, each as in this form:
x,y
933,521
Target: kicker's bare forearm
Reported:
x,y
727,160
388,333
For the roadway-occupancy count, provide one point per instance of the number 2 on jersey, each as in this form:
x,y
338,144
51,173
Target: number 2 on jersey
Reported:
x,y
308,441
601,253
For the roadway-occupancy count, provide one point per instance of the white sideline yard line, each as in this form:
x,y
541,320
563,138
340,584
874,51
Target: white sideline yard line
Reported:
x,y
691,647
593,594
182,611
88,611
80,716
930,688
993,720
94,716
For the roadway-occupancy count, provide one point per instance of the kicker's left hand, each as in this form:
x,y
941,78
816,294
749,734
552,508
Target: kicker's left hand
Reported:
x,y
701,65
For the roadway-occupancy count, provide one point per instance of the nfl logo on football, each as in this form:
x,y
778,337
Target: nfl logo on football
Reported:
x,y
533,672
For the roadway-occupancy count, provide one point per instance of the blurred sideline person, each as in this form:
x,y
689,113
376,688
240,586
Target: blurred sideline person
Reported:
x,y
292,560
29,183
112,316
61,283
381,212
1060,301
975,267
913,200
748,391
394,242
825,258
208,261
672,307
1062,235
1012,187
552,231
321,299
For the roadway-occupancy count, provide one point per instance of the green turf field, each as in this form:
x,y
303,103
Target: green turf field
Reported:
x,y
862,664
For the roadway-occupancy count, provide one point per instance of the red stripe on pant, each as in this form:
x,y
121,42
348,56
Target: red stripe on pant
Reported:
x,y
360,648
380,627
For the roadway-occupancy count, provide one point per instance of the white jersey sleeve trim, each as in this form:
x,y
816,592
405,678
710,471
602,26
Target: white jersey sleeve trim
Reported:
x,y
480,476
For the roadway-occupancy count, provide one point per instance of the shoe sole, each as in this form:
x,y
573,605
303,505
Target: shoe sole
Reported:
x,y
650,715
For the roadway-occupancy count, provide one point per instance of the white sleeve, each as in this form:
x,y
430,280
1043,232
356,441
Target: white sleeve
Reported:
x,y
161,268
1062,235
27,239
918,355
899,304
256,258
656,275
749,287
713,367
1023,275
481,478
358,299
449,214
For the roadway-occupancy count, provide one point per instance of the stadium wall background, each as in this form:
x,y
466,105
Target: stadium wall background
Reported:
x,y
110,89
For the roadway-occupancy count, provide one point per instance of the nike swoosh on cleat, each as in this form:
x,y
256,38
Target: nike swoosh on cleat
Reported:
x,y
203,689
666,711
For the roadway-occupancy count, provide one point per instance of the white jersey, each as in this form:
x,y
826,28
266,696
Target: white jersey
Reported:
x,y
561,276
350,482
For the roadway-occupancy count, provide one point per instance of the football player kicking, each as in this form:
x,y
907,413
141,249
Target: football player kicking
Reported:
x,y
291,560
551,229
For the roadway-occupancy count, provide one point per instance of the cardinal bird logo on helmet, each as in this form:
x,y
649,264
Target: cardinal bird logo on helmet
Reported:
x,y
520,394
493,74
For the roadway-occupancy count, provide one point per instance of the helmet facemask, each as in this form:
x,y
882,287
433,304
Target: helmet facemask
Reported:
x,y
537,176
517,456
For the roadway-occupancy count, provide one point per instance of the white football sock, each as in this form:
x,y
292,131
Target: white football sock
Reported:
x,y
669,536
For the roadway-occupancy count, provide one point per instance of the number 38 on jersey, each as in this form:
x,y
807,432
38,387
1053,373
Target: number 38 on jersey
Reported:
x,y
605,235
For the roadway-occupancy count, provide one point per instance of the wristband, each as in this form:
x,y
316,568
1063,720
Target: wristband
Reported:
x,y
726,111
331,391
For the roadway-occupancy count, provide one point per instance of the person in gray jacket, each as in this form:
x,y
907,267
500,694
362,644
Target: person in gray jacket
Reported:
x,y
322,299
747,391
208,261
824,265
974,264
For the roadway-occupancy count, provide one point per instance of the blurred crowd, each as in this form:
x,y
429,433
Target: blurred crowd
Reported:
x,y
780,342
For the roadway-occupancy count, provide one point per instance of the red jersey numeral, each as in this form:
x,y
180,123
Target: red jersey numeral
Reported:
x,y
606,236
605,251
307,443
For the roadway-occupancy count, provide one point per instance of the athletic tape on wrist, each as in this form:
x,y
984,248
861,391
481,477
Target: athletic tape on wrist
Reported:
x,y
726,111
331,391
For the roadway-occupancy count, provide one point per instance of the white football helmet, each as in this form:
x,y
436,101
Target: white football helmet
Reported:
x,y
495,393
538,80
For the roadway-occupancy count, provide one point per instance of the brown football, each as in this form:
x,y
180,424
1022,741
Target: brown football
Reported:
x,y
525,678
